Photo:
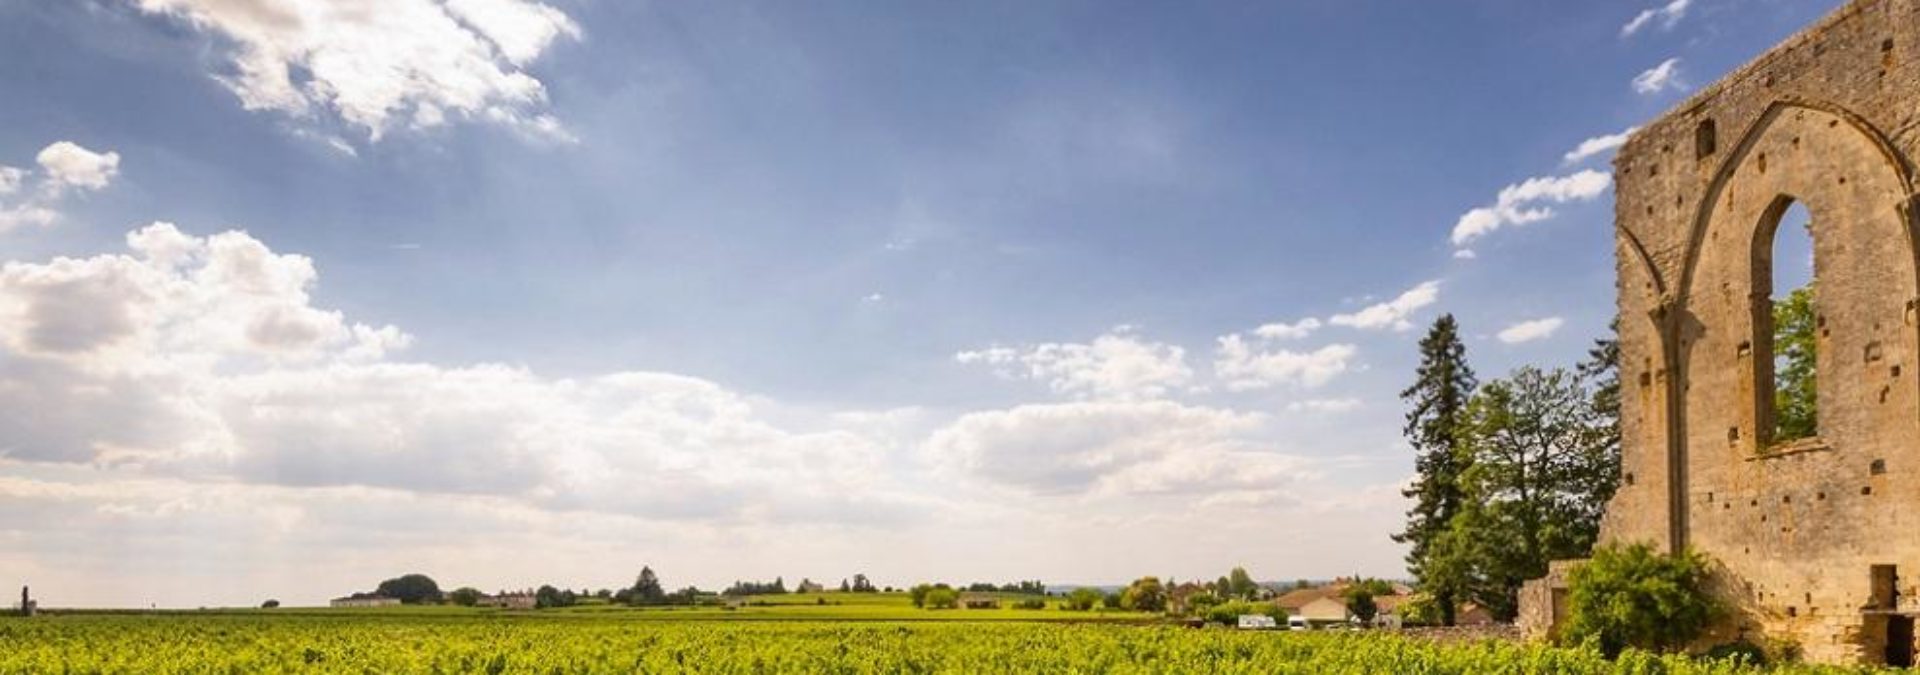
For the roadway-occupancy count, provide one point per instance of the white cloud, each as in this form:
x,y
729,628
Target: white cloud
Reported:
x,y
1465,254
1116,365
1284,331
382,64
32,198
1244,367
213,363
1324,405
1392,313
1528,331
1660,78
1598,145
1668,15
70,166
1113,448
1529,202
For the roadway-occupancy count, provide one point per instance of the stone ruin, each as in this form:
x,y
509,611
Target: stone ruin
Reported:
x,y
1816,542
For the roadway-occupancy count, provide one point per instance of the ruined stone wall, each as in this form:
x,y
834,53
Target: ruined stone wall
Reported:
x,y
1831,120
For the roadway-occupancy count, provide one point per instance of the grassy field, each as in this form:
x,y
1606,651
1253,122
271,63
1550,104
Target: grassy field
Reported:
x,y
635,642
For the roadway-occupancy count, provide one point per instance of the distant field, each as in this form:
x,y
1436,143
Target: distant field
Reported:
x,y
787,607
616,642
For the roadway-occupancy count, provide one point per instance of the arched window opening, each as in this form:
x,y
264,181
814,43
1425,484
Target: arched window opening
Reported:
x,y
1793,325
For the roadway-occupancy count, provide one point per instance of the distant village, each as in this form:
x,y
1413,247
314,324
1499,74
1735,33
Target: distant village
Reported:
x,y
1233,600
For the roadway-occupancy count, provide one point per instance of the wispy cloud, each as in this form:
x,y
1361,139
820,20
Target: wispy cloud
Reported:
x,y
1667,16
1392,313
1598,145
1660,78
1117,365
1529,201
32,198
1528,331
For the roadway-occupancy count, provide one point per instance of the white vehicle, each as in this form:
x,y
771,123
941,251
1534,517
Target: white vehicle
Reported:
x,y
1298,623
1257,622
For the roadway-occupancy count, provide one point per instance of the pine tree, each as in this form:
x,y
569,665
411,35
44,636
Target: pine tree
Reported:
x,y
1438,400
647,589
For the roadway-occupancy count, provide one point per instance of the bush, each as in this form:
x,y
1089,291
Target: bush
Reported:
x,y
942,598
270,604
1633,597
1082,599
1031,603
1229,613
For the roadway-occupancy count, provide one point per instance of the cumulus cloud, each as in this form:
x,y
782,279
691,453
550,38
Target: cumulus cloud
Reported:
x,y
1116,365
29,198
1244,365
1528,331
1529,202
1114,448
211,360
1660,78
1667,16
384,64
1297,330
1598,145
1392,313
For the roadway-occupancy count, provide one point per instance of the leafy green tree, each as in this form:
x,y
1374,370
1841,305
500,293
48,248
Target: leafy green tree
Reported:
x,y
1796,412
465,596
411,589
1113,600
1241,585
1634,597
1083,599
1438,398
647,589
270,604
1145,594
1361,605
547,597
942,597
918,594
862,585
1537,484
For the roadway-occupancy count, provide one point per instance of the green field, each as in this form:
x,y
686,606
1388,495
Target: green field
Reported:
x,y
652,641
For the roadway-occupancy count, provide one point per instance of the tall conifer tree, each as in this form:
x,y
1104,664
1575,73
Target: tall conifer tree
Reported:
x,y
1438,402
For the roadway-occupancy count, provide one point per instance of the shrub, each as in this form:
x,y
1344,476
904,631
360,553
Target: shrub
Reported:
x,y
942,598
1082,599
1229,613
1633,597
1031,603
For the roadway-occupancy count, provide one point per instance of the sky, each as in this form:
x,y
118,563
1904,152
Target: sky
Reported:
x,y
298,295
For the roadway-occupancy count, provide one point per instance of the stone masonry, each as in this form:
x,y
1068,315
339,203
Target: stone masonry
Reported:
x,y
1817,541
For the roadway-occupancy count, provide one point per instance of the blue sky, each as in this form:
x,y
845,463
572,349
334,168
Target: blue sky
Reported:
x,y
802,289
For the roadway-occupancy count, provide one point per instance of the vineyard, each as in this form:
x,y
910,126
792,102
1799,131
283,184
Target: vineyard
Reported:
x,y
371,643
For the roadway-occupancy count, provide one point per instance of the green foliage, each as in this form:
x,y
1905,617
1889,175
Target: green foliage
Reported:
x,y
1796,411
270,604
1083,599
1030,603
466,642
1420,610
1113,601
1240,585
411,589
1634,597
465,596
646,589
1229,613
1360,603
942,597
1437,403
1541,470
1145,594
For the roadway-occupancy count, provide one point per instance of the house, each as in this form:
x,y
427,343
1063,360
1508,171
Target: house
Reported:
x,y
364,600
506,600
1180,597
810,586
972,600
1387,610
1293,600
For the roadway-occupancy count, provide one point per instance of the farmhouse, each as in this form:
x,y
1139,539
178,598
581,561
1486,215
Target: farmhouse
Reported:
x,y
506,600
972,600
1816,539
364,600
